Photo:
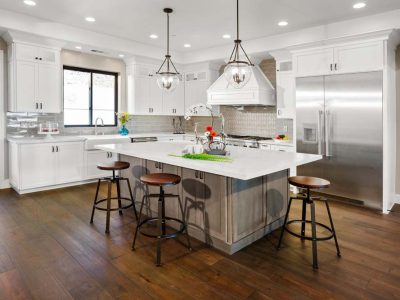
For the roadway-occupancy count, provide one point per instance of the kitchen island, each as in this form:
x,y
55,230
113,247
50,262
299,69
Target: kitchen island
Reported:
x,y
228,205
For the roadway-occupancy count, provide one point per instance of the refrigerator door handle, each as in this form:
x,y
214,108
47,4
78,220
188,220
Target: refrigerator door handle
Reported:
x,y
320,133
327,133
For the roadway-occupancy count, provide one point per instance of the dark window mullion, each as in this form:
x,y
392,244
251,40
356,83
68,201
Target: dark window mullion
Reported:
x,y
91,100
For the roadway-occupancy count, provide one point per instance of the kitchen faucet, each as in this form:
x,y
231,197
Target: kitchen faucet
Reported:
x,y
95,126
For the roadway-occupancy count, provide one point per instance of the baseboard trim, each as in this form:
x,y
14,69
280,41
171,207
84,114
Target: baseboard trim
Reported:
x,y
397,199
53,187
5,184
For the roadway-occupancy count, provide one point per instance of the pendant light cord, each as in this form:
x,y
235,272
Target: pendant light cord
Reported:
x,y
237,19
167,33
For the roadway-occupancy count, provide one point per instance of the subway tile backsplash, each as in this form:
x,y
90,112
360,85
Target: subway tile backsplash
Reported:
x,y
257,121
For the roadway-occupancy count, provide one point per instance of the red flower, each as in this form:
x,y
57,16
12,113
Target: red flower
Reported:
x,y
213,134
209,128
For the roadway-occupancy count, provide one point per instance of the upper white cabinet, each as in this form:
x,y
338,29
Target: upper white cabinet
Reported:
x,y
339,59
34,79
198,79
144,97
285,91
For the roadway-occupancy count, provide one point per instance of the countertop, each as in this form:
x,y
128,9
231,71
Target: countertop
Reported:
x,y
246,163
99,137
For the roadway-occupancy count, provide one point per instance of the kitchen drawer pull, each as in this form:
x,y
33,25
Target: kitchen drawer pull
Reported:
x,y
41,105
336,67
37,105
57,150
201,175
52,148
331,67
108,154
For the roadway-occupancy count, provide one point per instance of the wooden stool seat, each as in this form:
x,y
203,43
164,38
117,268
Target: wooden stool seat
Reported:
x,y
307,182
160,179
113,166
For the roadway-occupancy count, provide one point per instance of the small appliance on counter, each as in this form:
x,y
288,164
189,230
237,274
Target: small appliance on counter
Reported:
x,y
48,129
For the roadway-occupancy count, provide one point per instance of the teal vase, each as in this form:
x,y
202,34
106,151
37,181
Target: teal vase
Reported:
x,y
123,130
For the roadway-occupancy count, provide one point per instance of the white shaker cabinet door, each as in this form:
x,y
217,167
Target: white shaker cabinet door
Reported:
x,y
49,93
314,62
37,165
26,87
69,162
156,97
363,57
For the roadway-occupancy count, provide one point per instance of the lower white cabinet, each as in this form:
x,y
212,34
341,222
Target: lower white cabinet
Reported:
x,y
94,157
45,164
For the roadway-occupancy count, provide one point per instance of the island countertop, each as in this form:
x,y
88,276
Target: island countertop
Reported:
x,y
245,163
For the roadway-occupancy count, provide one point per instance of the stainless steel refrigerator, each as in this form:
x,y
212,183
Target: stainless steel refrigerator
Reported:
x,y
340,117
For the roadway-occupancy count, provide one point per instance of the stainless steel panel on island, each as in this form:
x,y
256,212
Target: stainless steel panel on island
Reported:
x,y
226,212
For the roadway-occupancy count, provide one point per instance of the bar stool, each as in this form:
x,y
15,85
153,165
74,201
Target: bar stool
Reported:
x,y
309,183
113,166
161,180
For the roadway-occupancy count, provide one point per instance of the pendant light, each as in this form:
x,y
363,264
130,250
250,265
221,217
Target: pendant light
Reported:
x,y
238,72
167,75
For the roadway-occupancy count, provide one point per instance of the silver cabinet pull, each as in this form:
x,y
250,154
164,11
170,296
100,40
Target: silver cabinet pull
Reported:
x,y
320,133
37,105
336,67
41,105
57,150
201,175
108,154
52,148
331,67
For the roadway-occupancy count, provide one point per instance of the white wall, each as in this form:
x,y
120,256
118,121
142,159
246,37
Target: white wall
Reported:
x,y
3,109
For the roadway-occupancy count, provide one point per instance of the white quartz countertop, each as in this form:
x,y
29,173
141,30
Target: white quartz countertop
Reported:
x,y
246,163
40,140
99,137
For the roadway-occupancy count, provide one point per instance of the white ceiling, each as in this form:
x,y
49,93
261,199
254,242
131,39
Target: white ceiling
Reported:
x,y
200,23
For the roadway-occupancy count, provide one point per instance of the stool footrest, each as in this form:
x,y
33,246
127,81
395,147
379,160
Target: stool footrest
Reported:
x,y
309,238
163,236
113,209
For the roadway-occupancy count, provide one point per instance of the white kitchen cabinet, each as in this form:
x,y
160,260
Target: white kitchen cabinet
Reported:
x,y
94,157
34,79
174,102
314,62
146,98
70,162
362,57
37,165
339,59
285,94
196,85
45,164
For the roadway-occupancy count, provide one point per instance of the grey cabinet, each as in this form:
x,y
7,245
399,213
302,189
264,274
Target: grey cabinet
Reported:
x,y
205,201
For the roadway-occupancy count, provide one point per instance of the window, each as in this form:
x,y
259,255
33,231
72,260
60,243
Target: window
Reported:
x,y
88,95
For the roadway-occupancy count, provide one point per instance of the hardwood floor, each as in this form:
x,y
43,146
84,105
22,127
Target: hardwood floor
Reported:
x,y
48,250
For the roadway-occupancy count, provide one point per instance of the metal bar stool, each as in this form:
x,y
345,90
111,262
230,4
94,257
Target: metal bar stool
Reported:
x,y
113,166
309,183
161,180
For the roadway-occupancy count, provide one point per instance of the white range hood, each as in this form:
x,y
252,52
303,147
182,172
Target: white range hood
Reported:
x,y
258,91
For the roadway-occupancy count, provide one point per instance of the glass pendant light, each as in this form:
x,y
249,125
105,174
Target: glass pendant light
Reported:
x,y
238,72
167,78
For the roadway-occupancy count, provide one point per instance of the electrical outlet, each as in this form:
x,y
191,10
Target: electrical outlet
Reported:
x,y
285,128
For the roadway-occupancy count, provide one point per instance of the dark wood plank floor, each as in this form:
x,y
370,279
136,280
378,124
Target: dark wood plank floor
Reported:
x,y
48,250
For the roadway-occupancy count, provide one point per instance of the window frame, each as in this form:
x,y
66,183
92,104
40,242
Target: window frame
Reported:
x,y
91,71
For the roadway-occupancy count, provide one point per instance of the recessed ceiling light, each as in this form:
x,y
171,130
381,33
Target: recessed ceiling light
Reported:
x,y
30,2
283,23
226,36
359,5
153,36
121,55
78,47
90,19
187,45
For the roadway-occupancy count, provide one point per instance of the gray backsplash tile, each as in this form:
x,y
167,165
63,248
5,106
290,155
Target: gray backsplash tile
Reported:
x,y
257,121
